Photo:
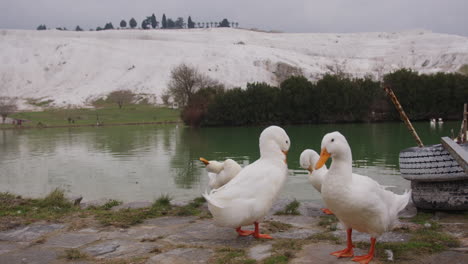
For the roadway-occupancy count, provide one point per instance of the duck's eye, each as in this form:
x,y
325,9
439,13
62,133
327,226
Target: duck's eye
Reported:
x,y
333,140
287,142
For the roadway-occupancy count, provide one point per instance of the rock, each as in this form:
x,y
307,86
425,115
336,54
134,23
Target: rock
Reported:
x,y
71,240
205,233
133,205
96,203
364,237
320,253
6,247
33,255
102,248
75,199
451,257
29,233
295,234
260,252
182,256
129,248
389,254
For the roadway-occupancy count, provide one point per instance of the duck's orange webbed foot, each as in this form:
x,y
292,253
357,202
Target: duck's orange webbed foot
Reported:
x,y
345,253
326,211
257,234
366,258
241,232
348,251
363,259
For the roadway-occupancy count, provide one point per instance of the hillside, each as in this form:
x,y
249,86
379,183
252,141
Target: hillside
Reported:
x,y
71,68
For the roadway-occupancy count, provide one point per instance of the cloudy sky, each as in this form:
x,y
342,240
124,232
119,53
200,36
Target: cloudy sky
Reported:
x,y
444,16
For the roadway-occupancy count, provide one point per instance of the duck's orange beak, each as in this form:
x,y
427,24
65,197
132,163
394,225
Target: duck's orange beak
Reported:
x,y
310,169
205,161
324,156
286,154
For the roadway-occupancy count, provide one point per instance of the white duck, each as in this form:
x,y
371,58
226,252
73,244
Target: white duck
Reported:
x,y
220,173
307,160
359,204
247,198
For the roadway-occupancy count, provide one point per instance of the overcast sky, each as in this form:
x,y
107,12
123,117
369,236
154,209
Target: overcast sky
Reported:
x,y
337,16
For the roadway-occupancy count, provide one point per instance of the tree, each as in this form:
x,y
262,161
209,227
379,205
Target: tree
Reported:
x,y
7,107
224,23
78,28
123,24
98,28
133,23
164,21
145,24
190,23
170,23
108,26
121,97
41,27
185,81
154,22
179,23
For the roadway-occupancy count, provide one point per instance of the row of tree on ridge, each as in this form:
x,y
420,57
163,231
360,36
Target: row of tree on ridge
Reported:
x,y
151,22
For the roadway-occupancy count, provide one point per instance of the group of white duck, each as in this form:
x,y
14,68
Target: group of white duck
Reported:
x,y
243,196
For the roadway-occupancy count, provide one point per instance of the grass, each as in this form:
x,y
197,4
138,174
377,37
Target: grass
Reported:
x,y
74,254
328,221
325,236
232,256
15,210
160,207
424,241
276,226
108,114
290,209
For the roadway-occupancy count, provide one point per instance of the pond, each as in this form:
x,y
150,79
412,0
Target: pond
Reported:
x,y
131,163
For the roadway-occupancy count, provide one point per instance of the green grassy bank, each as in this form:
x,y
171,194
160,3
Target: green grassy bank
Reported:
x,y
106,115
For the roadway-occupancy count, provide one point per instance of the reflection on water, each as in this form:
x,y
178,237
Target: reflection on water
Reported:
x,y
143,162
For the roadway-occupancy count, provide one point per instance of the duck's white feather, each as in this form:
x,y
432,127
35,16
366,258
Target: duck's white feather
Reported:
x,y
357,201
248,197
224,172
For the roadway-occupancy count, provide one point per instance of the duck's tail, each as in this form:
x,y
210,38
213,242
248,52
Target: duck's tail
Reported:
x,y
404,200
211,201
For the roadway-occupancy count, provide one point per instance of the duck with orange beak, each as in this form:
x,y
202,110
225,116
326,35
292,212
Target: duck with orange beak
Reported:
x,y
220,173
360,203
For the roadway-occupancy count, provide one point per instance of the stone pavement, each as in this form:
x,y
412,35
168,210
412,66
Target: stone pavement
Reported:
x,y
189,240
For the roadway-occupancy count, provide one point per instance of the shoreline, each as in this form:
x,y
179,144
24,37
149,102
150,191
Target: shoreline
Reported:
x,y
93,125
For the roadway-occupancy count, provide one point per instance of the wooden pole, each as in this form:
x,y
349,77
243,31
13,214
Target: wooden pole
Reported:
x,y
465,123
403,116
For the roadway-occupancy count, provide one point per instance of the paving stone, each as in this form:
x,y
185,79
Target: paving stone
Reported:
x,y
386,237
205,233
319,253
29,233
132,205
451,257
129,248
295,233
182,256
71,240
6,247
33,255
260,252
170,221
297,220
102,248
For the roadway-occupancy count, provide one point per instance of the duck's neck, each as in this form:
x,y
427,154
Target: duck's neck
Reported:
x,y
342,165
271,150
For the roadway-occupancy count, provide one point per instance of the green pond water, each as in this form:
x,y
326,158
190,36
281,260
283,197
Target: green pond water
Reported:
x,y
134,163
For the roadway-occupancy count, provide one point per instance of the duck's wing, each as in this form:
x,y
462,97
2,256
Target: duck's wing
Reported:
x,y
250,184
